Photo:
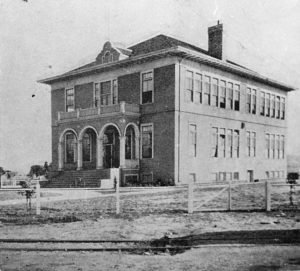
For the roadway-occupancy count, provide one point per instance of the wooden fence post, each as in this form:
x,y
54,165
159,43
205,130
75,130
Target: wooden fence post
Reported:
x,y
268,195
229,196
117,182
38,198
191,197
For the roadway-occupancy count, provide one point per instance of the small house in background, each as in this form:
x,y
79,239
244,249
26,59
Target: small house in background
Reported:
x,y
165,111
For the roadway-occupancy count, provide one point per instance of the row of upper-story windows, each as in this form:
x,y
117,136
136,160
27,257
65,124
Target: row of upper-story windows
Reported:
x,y
270,105
106,92
204,89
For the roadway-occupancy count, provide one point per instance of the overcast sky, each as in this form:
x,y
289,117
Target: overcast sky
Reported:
x,y
40,38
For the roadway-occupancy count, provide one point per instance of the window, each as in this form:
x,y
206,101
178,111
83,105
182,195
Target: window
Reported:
x,y
97,95
228,176
105,93
273,106
189,90
108,57
277,107
222,176
70,106
207,86
262,103
198,88
236,143
147,141
236,97
229,143
70,144
272,155
222,142
277,155
253,144
268,105
282,108
236,176
192,140
282,147
248,100
267,149
248,143
129,144
230,96
215,92
253,101
131,179
86,148
222,94
147,87
214,152
115,91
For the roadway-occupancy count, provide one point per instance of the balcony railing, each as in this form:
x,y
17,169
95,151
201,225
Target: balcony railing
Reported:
x,y
122,108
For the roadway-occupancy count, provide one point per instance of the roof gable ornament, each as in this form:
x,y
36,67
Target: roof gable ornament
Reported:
x,y
111,53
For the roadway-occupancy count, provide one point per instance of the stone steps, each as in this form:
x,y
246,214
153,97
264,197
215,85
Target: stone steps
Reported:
x,y
77,178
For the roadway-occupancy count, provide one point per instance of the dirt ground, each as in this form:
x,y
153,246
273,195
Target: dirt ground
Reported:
x,y
239,258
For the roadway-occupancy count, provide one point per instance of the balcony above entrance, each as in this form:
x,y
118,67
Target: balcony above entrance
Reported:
x,y
98,112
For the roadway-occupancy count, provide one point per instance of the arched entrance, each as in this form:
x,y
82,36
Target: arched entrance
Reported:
x,y
88,140
67,150
111,147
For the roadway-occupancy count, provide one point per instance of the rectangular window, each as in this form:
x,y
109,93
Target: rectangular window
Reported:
x,y
253,144
105,93
147,87
189,88
236,176
248,143
229,143
207,88
277,147
214,152
222,142
230,96
236,143
115,91
198,88
272,146
248,101
273,106
86,148
70,105
228,176
262,103
147,141
282,147
215,92
222,94
253,101
222,176
267,153
282,108
192,140
236,97
277,107
268,105
97,95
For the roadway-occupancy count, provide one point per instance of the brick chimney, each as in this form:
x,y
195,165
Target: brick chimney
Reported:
x,y
216,41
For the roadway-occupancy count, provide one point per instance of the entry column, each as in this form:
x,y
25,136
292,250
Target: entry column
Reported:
x,y
79,155
60,156
99,153
122,151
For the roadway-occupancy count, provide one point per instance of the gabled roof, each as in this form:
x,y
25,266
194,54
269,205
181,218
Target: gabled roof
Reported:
x,y
161,46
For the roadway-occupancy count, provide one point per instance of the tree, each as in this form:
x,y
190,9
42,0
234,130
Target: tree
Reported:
x,y
2,171
36,170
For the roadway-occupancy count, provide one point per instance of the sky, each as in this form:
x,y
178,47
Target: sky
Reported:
x,y
42,38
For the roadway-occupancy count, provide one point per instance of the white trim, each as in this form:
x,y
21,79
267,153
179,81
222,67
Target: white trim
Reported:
x,y
141,145
83,130
101,133
65,131
141,86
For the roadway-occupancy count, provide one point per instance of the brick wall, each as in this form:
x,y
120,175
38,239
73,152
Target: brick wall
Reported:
x,y
129,88
84,95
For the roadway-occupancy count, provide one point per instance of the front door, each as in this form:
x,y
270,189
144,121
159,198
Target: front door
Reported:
x,y
250,175
108,156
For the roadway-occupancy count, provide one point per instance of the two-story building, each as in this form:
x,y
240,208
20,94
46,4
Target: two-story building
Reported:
x,y
164,110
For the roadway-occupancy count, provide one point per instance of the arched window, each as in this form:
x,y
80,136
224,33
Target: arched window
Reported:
x,y
86,148
107,57
70,143
130,143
